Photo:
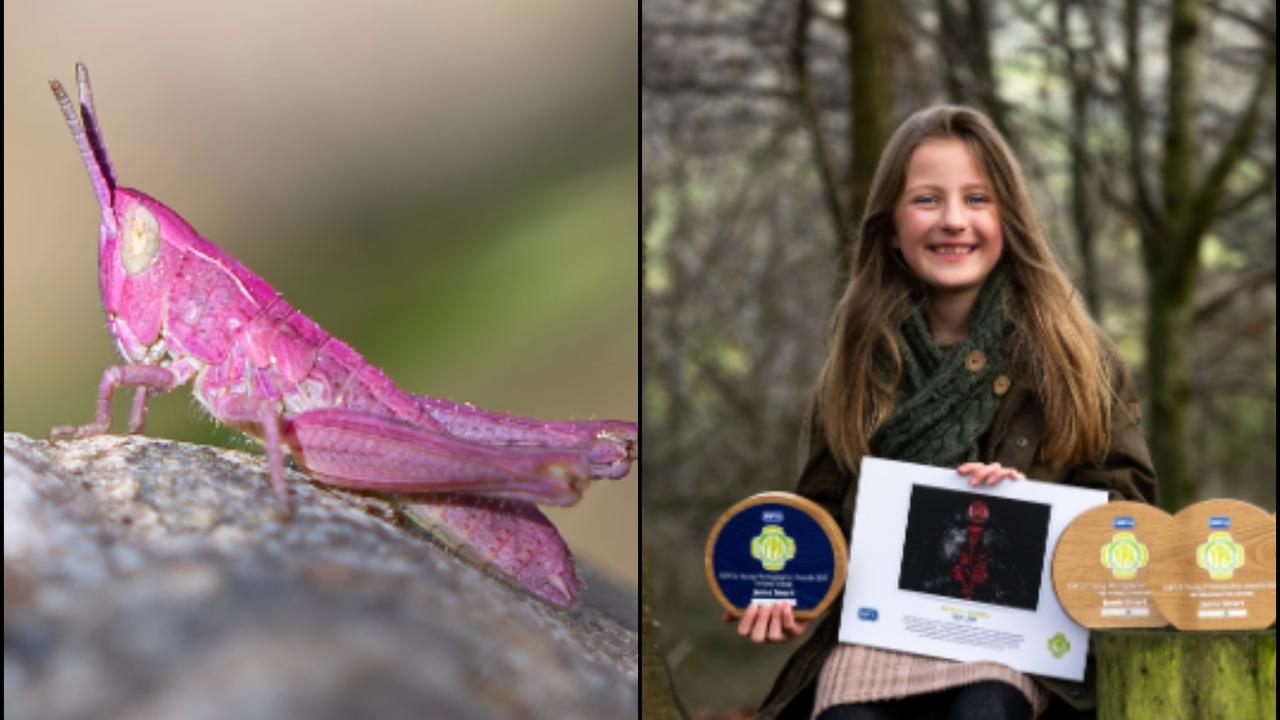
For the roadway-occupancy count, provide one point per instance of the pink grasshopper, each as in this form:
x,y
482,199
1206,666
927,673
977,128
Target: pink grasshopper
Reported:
x,y
182,310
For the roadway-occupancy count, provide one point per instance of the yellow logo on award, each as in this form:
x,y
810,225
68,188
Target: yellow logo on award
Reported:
x,y
1124,555
1058,646
772,547
1220,555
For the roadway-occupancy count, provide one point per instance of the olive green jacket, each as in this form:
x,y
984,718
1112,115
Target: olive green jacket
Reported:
x,y
1125,472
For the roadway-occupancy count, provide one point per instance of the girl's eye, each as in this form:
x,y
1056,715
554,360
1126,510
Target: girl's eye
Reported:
x,y
933,199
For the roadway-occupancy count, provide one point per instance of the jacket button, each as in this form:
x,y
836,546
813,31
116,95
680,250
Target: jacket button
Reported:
x,y
1001,385
975,361
1021,441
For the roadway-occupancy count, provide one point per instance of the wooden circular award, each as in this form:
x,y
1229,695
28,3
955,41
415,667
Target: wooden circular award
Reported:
x,y
1102,563
776,547
1217,569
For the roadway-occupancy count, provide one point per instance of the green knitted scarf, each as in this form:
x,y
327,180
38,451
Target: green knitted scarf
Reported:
x,y
946,401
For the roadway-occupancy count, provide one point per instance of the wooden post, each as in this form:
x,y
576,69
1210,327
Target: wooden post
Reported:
x,y
1170,675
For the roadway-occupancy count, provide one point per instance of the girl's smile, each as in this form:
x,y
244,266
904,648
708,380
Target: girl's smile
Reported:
x,y
952,252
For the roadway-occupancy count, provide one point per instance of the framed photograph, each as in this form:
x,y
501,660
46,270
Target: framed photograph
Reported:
x,y
940,568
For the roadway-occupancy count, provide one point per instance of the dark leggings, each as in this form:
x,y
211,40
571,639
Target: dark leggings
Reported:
x,y
990,700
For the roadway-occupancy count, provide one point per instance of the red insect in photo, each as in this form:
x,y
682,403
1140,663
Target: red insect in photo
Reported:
x,y
970,570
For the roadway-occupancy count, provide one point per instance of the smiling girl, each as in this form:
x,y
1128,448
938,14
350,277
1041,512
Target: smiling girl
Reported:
x,y
958,342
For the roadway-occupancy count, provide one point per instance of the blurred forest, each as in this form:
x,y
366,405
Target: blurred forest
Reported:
x,y
1147,130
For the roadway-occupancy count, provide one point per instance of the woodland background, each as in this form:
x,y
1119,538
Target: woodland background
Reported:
x,y
1147,130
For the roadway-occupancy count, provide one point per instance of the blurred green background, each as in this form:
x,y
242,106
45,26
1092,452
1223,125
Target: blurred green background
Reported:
x,y
451,189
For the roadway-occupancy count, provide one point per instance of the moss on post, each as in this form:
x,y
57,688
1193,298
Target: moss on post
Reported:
x,y
1175,675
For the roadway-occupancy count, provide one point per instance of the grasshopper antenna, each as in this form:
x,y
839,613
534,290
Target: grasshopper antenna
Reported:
x,y
88,138
89,112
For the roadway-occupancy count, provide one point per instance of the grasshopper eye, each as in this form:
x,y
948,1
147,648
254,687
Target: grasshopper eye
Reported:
x,y
140,241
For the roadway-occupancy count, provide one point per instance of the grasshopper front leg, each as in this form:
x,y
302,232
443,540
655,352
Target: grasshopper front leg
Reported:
x,y
363,450
143,377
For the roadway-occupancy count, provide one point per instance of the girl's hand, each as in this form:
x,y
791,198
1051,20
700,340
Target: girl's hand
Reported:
x,y
989,474
769,623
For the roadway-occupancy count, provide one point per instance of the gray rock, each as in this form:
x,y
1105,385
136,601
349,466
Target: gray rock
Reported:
x,y
148,578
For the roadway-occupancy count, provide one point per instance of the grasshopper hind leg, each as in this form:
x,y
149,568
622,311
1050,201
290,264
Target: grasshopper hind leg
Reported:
x,y
512,537
369,451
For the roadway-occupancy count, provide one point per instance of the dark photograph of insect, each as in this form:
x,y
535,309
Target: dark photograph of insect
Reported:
x,y
976,547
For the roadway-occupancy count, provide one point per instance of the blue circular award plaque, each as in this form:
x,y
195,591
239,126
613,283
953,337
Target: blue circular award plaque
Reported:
x,y
776,547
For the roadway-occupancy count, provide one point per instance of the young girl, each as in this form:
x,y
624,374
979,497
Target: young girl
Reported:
x,y
959,342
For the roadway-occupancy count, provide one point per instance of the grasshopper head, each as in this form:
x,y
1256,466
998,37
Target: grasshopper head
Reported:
x,y
142,245
132,232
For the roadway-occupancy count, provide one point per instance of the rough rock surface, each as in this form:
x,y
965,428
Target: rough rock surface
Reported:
x,y
149,578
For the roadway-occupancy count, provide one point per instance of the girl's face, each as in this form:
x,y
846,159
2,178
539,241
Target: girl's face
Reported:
x,y
948,226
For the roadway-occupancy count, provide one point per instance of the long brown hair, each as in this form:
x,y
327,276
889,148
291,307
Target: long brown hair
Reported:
x,y
1056,347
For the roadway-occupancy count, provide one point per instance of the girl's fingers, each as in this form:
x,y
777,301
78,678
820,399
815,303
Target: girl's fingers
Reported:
x,y
1003,473
775,623
988,474
748,619
762,626
772,623
789,622
980,473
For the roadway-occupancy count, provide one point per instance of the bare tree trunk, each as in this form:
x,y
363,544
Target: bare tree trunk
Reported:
x,y
871,111
948,44
1082,206
964,39
979,59
1173,233
799,62
1168,331
1169,395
